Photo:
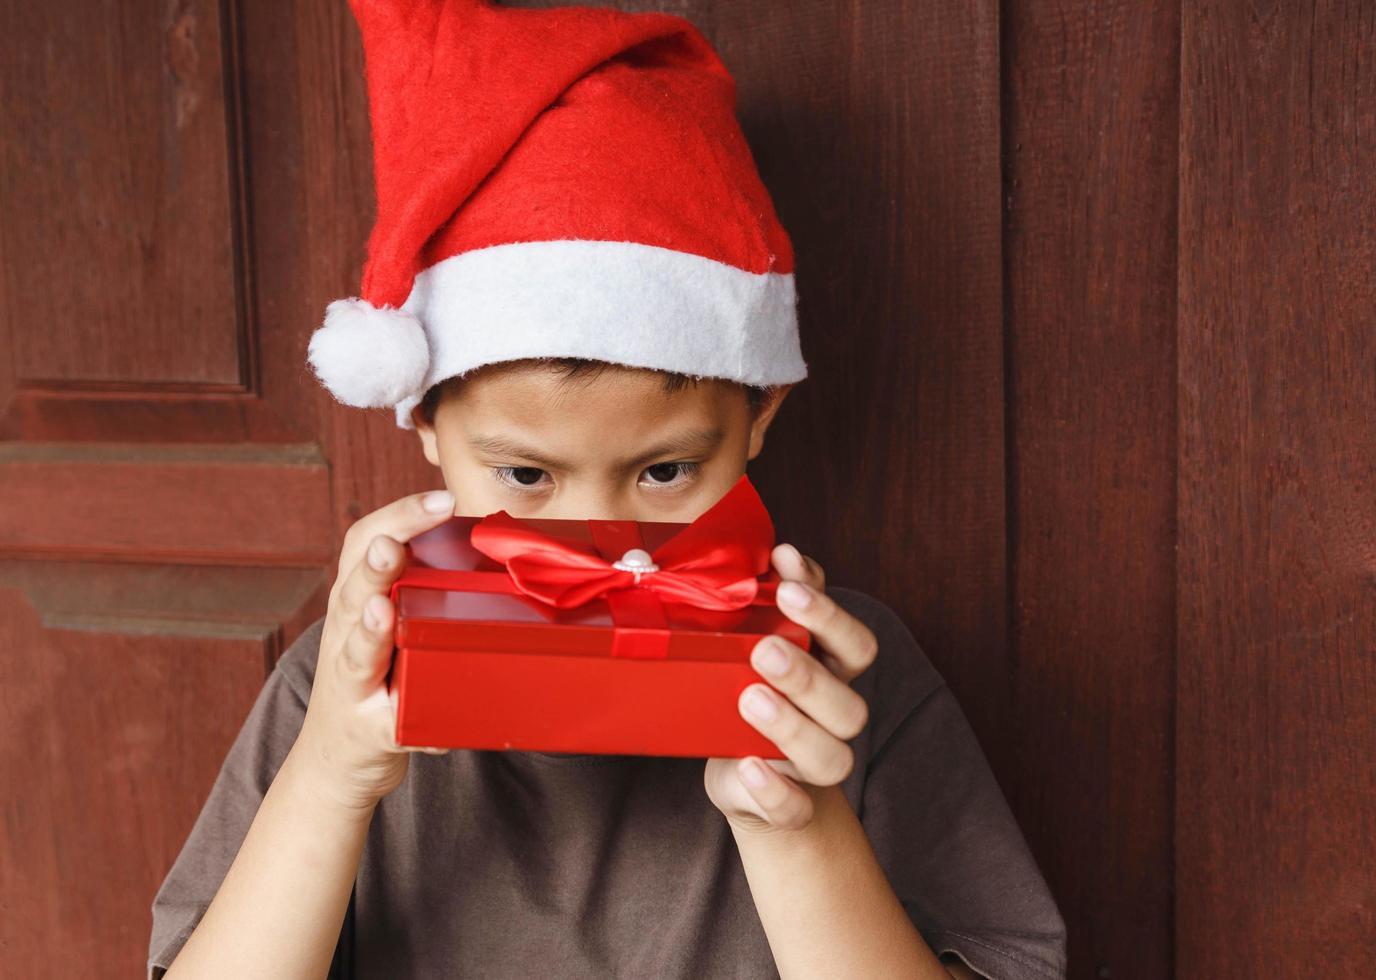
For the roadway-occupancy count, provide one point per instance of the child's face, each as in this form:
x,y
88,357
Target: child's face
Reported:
x,y
613,446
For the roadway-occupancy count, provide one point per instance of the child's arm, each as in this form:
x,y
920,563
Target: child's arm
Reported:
x,y
825,904
279,909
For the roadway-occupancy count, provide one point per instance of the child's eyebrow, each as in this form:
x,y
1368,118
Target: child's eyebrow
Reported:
x,y
687,443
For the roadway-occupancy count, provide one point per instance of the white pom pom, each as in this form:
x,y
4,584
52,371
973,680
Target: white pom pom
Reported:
x,y
369,357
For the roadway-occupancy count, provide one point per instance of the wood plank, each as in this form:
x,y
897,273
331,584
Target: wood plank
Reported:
x,y
143,416
1276,726
236,504
199,601
1089,195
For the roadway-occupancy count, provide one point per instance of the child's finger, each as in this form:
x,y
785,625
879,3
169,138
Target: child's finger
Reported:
x,y
382,563
849,641
367,649
401,520
373,552
782,802
819,693
793,564
820,757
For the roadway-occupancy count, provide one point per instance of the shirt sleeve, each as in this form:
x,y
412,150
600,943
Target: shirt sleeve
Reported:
x,y
953,853
258,751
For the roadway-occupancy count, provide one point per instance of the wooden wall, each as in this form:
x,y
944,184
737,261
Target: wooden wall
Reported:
x,y
1086,291
1275,726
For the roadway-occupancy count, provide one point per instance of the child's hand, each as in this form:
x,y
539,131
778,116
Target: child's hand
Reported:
x,y
817,715
346,751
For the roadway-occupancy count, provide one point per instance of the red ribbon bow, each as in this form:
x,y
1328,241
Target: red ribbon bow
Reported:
x,y
713,563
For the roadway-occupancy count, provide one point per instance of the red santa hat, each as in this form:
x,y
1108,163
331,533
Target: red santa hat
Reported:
x,y
567,182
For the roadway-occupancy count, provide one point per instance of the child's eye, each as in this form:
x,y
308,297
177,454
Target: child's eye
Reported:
x,y
671,475
525,479
519,478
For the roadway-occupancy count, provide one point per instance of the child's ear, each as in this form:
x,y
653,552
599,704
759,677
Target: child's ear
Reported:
x,y
764,415
426,432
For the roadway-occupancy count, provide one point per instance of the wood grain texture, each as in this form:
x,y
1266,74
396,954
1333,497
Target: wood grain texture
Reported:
x,y
1089,132
293,82
110,745
243,504
1276,730
145,598
178,426
119,208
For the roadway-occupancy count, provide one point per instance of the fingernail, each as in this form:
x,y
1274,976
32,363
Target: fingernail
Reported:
x,y
760,705
754,774
795,594
376,558
370,615
797,555
438,502
769,659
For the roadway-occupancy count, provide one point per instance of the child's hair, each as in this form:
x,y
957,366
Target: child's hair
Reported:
x,y
582,367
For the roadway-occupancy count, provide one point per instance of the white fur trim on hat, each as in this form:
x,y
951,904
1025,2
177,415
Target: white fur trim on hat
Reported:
x,y
369,357
622,302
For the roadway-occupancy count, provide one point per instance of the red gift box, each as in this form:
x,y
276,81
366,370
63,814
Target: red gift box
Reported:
x,y
587,636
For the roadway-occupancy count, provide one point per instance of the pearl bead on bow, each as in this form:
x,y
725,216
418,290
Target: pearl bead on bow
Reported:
x,y
637,561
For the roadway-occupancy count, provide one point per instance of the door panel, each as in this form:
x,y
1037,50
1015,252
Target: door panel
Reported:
x,y
109,740
122,212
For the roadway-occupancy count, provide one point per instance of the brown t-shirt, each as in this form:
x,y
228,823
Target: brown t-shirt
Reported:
x,y
526,864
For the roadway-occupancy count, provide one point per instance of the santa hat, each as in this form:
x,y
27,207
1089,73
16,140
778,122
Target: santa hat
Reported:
x,y
567,182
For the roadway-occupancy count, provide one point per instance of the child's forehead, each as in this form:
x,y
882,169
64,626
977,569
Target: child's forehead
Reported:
x,y
595,412
542,389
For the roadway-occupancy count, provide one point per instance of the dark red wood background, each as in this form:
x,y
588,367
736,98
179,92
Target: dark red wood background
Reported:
x,y
1087,292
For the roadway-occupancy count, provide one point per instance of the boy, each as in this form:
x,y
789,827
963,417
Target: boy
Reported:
x,y
579,296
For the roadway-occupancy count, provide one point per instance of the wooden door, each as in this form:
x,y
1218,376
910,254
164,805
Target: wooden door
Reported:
x,y
183,187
